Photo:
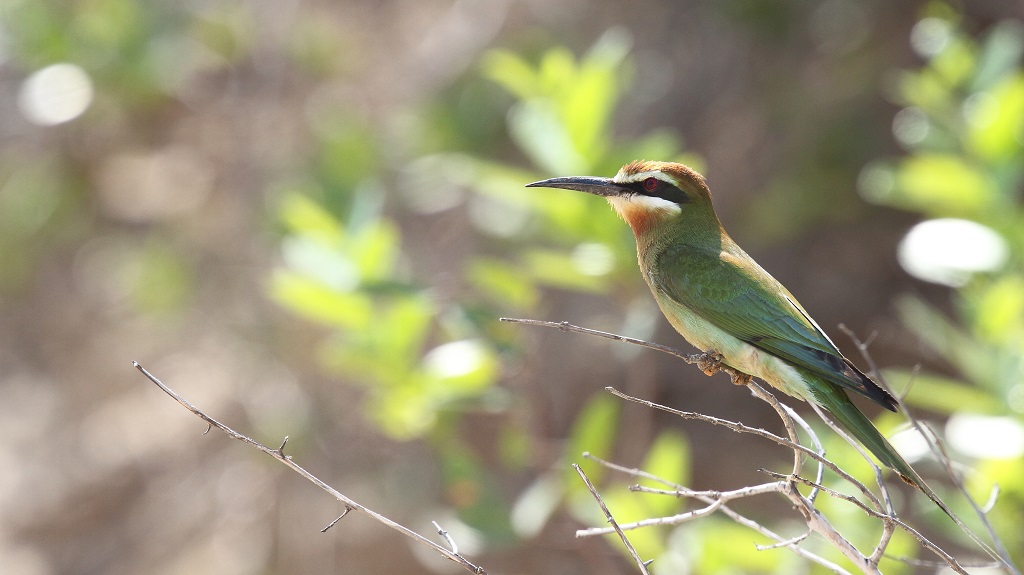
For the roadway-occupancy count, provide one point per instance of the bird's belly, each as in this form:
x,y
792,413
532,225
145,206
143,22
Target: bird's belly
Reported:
x,y
736,353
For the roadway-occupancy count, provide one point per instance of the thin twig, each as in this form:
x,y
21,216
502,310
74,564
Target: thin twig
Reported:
x,y
447,537
741,428
640,563
820,473
812,516
690,358
694,359
787,420
279,455
824,489
999,553
786,543
340,517
718,498
729,512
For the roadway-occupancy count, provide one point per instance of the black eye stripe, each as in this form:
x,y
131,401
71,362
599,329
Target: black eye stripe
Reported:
x,y
663,190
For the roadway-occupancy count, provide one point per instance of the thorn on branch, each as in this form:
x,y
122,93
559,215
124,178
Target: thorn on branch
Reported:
x,y
813,517
448,538
340,517
611,520
786,543
278,454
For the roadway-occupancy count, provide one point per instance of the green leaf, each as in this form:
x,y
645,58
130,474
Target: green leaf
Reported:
x,y
1000,54
557,269
507,286
402,412
301,214
956,62
954,344
943,394
628,507
593,432
536,504
473,491
669,459
400,329
942,184
995,120
999,310
512,72
316,301
720,551
374,250
541,133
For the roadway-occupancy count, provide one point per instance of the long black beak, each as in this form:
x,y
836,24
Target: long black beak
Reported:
x,y
591,185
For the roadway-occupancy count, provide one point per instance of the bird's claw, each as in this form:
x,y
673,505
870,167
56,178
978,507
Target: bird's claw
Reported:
x,y
710,362
739,378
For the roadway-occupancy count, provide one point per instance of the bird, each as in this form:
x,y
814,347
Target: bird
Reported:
x,y
726,305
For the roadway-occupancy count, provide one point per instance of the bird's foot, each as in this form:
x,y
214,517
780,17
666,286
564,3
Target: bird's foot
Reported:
x,y
740,378
710,362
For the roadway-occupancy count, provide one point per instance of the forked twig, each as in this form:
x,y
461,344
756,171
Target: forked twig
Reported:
x,y
999,552
640,563
790,543
879,508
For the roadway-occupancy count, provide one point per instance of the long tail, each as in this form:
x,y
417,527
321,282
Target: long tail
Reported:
x,y
850,418
846,414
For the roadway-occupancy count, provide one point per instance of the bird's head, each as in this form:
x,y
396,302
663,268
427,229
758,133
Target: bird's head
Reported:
x,y
648,194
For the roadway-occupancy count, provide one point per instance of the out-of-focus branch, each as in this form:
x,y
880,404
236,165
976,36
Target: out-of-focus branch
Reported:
x,y
350,504
1000,553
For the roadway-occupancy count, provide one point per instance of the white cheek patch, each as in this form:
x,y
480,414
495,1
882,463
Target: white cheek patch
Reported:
x,y
647,203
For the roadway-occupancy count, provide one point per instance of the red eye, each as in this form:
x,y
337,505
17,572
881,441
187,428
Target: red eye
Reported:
x,y
650,184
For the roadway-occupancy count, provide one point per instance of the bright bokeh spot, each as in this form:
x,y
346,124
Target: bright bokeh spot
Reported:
x,y
457,359
930,36
911,444
986,437
910,126
948,251
593,259
55,94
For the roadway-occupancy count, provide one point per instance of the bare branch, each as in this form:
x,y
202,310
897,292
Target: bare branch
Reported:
x,y
785,543
447,537
693,359
789,543
879,508
640,563
340,517
279,455
741,428
999,553
718,498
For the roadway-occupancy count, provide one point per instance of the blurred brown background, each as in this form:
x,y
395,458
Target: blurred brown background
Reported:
x,y
144,215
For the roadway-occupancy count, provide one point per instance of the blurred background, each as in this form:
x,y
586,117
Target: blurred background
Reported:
x,y
307,218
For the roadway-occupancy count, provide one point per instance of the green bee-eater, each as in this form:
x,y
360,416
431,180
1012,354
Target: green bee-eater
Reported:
x,y
720,300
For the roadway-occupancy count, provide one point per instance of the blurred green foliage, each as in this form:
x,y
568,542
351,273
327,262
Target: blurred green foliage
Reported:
x,y
342,267
963,128
427,359
422,370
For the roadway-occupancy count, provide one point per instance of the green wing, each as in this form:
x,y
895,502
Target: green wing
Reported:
x,y
732,292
